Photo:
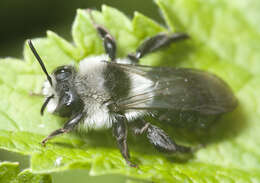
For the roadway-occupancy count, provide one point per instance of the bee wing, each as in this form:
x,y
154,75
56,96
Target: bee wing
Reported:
x,y
178,89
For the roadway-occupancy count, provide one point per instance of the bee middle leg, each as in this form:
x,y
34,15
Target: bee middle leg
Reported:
x,y
155,43
159,138
120,133
108,41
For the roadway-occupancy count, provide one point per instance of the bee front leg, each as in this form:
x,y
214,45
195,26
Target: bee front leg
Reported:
x,y
66,128
120,133
108,41
155,43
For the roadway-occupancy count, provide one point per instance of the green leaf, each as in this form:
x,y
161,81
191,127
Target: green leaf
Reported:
x,y
9,173
224,40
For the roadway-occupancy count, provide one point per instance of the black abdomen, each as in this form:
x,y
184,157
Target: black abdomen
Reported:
x,y
186,119
117,82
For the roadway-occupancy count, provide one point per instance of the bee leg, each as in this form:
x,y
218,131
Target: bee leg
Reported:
x,y
155,43
66,128
140,129
160,139
120,133
163,142
108,41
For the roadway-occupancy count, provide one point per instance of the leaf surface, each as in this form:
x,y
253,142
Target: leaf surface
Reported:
x,y
10,173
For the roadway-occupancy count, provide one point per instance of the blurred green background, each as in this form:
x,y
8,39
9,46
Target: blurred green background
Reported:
x,y
24,19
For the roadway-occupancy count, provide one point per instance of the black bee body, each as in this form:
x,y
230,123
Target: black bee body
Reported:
x,y
109,94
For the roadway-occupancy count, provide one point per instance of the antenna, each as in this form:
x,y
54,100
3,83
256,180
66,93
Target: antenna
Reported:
x,y
46,103
40,61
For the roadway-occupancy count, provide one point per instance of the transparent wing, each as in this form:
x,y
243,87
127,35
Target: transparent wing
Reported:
x,y
177,89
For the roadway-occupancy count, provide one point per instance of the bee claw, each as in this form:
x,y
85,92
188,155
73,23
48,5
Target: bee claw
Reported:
x,y
132,165
43,143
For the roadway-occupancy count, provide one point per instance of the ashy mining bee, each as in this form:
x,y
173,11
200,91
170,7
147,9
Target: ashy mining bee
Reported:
x,y
107,92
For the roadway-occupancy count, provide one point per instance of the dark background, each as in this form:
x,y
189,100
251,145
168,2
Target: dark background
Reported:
x,y
24,19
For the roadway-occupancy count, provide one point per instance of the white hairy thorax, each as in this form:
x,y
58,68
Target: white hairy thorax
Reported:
x,y
98,114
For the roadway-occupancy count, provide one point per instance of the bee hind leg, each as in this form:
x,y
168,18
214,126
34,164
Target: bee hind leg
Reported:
x,y
155,43
160,139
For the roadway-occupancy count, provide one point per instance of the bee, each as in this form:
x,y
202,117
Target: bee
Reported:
x,y
107,92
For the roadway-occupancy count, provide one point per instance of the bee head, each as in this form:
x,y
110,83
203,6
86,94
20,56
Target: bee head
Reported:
x,y
61,97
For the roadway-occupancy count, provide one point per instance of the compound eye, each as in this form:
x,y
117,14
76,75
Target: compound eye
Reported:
x,y
63,73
